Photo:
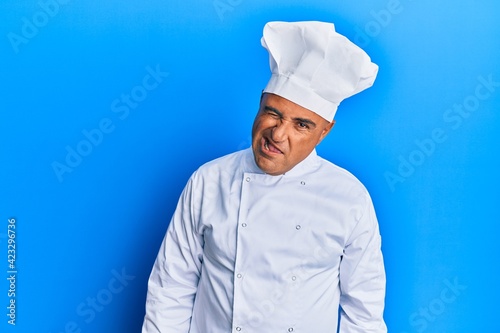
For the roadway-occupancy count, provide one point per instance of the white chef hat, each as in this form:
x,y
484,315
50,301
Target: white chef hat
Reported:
x,y
314,66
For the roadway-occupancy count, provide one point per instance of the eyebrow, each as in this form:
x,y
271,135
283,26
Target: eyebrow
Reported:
x,y
279,113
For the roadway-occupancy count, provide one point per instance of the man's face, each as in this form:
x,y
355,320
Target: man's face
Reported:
x,y
284,134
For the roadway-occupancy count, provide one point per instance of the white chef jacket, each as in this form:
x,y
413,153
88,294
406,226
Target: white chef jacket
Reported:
x,y
250,252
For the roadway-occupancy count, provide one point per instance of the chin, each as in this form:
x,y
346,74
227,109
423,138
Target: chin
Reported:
x,y
262,163
273,171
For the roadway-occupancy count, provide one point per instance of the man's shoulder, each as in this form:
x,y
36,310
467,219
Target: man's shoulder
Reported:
x,y
337,177
226,160
228,163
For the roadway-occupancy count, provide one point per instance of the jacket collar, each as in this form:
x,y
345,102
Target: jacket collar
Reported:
x,y
307,165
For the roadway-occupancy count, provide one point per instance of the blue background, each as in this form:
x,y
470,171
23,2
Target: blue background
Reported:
x,y
424,140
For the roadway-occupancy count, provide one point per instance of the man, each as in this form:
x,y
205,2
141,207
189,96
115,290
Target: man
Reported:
x,y
275,238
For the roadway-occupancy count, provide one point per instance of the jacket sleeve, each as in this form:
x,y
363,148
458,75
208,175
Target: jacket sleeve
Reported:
x,y
174,279
362,277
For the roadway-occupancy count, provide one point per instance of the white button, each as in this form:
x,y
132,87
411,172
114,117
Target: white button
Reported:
x,y
290,329
239,276
243,224
238,328
303,183
298,227
294,278
248,179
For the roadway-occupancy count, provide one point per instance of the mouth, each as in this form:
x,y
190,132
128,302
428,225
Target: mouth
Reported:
x,y
269,148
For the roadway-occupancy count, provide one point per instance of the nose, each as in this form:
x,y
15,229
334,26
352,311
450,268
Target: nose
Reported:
x,y
279,132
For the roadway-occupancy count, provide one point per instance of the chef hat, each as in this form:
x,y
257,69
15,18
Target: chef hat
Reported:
x,y
314,66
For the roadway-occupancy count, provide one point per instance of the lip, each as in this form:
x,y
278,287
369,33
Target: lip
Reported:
x,y
268,148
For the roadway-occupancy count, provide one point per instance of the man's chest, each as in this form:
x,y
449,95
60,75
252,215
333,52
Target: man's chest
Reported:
x,y
283,225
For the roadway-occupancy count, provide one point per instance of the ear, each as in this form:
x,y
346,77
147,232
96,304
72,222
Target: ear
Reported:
x,y
326,130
